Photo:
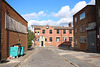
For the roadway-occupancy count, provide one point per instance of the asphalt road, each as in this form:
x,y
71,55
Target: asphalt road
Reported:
x,y
45,57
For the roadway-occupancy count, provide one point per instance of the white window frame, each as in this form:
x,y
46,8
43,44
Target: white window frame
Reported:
x,y
75,19
82,16
58,40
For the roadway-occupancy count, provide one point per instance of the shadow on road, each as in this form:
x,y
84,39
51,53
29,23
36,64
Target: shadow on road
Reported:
x,y
5,61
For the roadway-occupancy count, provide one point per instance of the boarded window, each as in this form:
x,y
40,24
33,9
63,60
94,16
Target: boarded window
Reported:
x,y
14,25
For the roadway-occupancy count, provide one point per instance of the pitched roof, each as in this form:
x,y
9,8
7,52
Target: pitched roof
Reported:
x,y
55,27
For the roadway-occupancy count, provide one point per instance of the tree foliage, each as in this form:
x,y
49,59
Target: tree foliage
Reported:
x,y
31,36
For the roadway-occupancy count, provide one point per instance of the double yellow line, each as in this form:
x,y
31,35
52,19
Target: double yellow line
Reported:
x,y
28,58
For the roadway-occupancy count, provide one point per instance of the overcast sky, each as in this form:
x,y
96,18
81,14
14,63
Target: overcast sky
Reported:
x,y
51,12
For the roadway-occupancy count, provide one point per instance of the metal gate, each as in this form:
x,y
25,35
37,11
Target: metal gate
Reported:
x,y
92,41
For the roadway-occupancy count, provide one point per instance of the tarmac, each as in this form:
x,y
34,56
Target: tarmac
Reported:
x,y
17,61
77,58
80,58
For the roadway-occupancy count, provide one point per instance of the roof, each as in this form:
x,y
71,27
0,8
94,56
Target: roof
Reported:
x,y
55,27
14,10
84,8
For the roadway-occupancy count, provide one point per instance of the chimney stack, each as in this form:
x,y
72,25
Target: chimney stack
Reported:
x,y
70,24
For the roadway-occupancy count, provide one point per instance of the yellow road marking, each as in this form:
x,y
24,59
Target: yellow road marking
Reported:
x,y
27,58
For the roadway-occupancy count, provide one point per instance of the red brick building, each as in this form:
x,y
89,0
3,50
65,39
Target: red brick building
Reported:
x,y
85,29
13,29
52,35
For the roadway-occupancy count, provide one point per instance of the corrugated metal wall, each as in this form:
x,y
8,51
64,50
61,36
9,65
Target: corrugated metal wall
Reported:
x,y
14,25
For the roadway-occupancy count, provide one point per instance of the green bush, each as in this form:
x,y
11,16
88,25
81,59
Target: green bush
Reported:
x,y
31,36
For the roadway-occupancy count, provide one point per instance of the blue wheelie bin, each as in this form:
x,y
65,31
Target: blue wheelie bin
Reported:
x,y
21,50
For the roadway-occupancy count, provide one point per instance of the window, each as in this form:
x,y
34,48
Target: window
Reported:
x,y
82,28
50,39
75,19
35,39
45,39
83,39
38,39
70,31
50,31
43,31
57,31
57,39
64,31
35,32
70,39
82,16
64,39
38,32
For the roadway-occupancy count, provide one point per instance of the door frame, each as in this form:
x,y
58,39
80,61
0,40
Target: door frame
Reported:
x,y
95,41
42,38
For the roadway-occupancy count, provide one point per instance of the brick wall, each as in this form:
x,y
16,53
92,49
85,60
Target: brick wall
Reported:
x,y
53,35
98,23
8,38
0,25
89,18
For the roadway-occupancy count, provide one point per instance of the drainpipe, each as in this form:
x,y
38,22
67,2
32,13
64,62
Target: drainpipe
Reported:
x,y
0,25
61,36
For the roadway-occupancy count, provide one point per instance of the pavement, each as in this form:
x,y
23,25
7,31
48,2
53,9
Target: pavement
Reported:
x,y
15,62
54,57
80,58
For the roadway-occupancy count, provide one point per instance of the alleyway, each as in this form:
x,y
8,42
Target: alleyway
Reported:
x,y
45,57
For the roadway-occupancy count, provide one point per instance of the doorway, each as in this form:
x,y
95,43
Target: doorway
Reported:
x,y
92,41
41,43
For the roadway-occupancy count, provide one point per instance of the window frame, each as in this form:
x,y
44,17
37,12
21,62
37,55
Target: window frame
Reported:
x,y
82,39
98,12
56,39
70,31
82,28
43,31
70,40
45,39
82,15
75,19
58,31
64,31
65,39
50,39
50,31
